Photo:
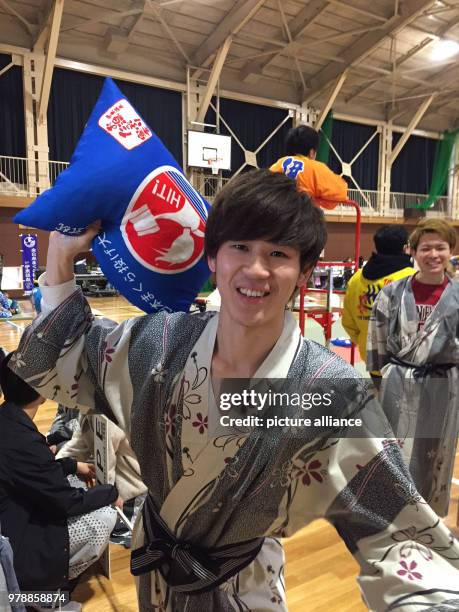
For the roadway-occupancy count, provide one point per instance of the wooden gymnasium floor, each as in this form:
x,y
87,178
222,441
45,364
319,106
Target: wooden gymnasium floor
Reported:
x,y
320,573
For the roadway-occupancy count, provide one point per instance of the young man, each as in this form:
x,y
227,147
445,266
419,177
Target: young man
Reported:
x,y
56,530
324,187
388,264
219,501
413,339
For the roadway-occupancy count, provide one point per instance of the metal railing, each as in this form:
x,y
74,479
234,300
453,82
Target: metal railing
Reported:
x,y
55,168
18,175
22,177
13,176
400,201
367,199
208,185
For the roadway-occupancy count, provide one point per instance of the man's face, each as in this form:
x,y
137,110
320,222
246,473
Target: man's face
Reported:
x,y
432,253
256,279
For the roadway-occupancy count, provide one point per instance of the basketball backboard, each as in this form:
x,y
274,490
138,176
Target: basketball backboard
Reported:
x,y
209,150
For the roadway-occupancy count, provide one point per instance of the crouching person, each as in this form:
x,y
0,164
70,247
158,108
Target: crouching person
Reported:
x,y
56,530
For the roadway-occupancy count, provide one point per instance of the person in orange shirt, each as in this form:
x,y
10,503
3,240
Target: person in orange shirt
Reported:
x,y
326,188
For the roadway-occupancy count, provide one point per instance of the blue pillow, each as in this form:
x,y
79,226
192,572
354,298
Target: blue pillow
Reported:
x,y
151,242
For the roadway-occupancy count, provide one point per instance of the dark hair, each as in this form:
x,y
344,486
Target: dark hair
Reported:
x,y
390,239
264,205
300,140
14,388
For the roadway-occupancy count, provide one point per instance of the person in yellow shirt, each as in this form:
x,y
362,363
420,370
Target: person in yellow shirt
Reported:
x,y
389,263
326,188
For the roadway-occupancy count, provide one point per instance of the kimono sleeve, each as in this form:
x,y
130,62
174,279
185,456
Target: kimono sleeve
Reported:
x,y
407,556
79,361
378,333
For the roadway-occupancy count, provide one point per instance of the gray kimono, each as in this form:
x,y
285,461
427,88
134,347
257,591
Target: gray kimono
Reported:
x,y
419,392
151,375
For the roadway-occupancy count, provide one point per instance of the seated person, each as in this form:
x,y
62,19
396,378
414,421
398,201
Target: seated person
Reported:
x,y
326,188
56,530
8,307
123,467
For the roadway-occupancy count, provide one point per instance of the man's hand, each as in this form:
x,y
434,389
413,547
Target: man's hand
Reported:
x,y
87,472
62,250
70,246
119,502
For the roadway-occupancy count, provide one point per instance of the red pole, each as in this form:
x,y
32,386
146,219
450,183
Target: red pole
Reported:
x,y
329,316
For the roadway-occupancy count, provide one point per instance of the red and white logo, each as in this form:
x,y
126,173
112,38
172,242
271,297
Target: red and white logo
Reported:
x,y
123,123
163,226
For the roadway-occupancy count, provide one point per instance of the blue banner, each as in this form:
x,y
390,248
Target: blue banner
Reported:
x,y
29,252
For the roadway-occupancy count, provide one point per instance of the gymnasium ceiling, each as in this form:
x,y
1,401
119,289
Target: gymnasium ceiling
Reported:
x,y
378,55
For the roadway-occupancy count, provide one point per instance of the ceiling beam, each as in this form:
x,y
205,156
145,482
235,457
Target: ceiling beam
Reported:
x,y
331,98
213,79
312,42
54,26
387,72
440,82
102,17
117,39
409,130
408,55
364,12
297,27
25,24
302,46
43,34
441,79
289,45
401,60
236,19
159,13
367,44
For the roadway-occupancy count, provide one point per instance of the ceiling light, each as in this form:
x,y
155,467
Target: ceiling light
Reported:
x,y
444,49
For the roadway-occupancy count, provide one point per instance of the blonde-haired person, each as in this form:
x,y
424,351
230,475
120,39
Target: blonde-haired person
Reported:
x,y
413,340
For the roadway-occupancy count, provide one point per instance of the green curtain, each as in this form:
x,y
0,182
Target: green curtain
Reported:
x,y
207,287
440,173
326,130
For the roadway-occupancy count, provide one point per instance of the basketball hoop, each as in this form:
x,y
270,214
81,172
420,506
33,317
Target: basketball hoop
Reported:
x,y
212,163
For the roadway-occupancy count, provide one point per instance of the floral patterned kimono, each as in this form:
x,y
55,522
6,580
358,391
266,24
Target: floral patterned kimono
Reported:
x,y
420,386
216,492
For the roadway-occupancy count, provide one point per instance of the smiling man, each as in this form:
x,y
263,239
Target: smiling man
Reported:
x,y
209,535
413,339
